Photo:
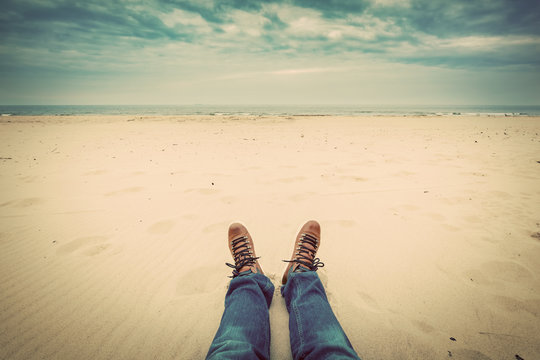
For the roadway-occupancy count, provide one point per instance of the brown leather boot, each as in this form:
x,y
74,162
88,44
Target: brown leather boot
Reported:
x,y
303,257
243,251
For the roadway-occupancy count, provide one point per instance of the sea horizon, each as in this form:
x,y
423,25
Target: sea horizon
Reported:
x,y
272,109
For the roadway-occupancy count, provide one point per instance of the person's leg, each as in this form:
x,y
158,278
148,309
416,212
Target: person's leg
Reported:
x,y
315,332
244,331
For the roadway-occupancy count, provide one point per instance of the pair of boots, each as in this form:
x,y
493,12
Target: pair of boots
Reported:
x,y
303,257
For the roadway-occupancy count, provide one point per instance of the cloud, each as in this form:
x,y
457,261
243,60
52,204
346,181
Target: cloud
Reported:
x,y
293,27
334,8
462,17
251,39
58,19
305,71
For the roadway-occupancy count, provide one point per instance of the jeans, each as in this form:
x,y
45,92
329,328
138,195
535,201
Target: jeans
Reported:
x,y
244,331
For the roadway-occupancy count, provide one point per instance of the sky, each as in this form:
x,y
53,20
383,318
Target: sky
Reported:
x,y
400,52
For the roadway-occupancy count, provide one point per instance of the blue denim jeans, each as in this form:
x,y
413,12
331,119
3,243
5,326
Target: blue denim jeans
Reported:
x,y
244,331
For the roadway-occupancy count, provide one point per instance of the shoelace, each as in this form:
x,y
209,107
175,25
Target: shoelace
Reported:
x,y
302,250
243,255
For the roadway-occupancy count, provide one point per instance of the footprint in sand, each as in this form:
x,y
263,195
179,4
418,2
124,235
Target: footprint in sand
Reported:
x,y
469,354
192,283
500,195
89,246
221,226
423,326
95,172
302,196
95,250
476,277
202,191
435,216
347,223
29,178
353,178
23,203
228,199
161,227
291,179
472,219
343,222
451,228
403,173
407,207
531,306
125,191
454,200
506,270
492,271
368,302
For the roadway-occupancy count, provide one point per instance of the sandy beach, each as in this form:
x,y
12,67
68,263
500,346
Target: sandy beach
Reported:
x,y
113,231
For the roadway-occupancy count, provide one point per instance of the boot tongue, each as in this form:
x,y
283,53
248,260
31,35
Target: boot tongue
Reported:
x,y
301,268
247,272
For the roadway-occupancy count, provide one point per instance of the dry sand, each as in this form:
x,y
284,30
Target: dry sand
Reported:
x,y
113,231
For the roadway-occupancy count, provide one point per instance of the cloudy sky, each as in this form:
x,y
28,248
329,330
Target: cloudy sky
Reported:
x,y
270,52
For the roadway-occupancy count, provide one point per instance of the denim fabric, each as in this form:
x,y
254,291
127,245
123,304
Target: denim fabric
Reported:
x,y
244,331
315,333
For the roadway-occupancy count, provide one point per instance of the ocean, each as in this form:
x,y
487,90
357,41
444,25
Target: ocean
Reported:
x,y
364,110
